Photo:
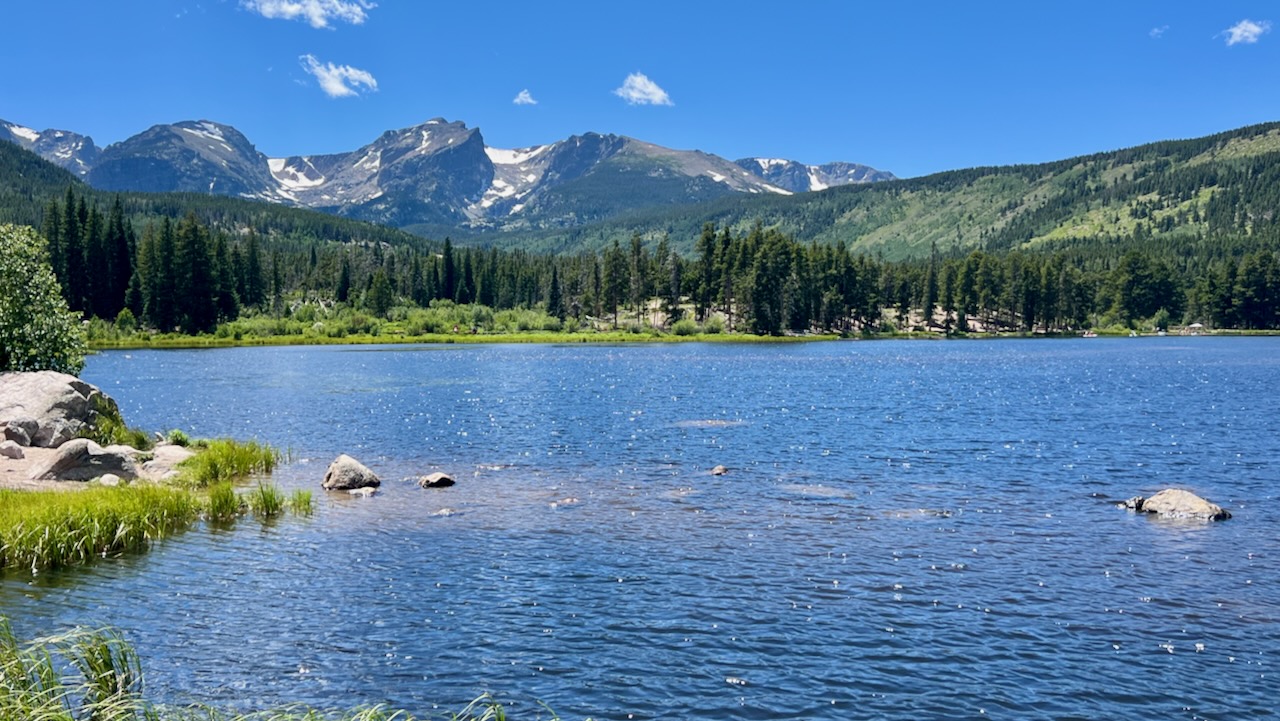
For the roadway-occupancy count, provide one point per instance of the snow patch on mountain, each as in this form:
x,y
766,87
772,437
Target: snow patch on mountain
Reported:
x,y
514,157
292,177
26,134
815,183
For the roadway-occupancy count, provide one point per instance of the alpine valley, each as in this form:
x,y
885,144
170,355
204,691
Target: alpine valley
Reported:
x,y
433,177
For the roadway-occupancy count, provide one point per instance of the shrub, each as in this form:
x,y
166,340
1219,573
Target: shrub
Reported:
x,y
125,322
714,325
37,331
685,327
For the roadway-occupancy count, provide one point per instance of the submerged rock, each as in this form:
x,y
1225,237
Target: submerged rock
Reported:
x,y
719,471
83,460
49,408
346,473
362,492
436,480
1177,503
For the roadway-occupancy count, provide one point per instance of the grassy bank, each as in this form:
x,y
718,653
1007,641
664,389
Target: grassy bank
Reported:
x,y
179,341
96,675
56,528
50,529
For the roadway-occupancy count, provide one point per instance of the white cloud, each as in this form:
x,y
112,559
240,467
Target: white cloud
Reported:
x,y
638,89
1247,31
338,81
317,12
524,98
1159,32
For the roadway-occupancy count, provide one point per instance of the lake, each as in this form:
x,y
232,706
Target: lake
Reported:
x,y
907,530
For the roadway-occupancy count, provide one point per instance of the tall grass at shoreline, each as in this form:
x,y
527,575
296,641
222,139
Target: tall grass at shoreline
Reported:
x,y
51,529
224,460
96,675
56,528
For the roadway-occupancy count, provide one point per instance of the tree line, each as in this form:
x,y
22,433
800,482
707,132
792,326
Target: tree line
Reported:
x,y
183,275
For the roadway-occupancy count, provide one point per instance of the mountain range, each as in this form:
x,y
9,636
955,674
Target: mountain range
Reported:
x,y
438,174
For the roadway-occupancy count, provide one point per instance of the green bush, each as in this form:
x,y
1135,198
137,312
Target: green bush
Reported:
x,y
685,327
37,331
714,325
125,322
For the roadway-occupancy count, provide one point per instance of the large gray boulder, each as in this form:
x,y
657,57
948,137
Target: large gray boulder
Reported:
x,y
346,473
81,459
1177,503
46,408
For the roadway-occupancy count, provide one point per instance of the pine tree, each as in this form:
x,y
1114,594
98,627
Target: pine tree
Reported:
x,y
555,303
195,291
343,292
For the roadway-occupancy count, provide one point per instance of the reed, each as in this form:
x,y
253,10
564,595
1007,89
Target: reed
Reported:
x,y
82,674
95,675
300,502
224,460
266,501
223,503
51,529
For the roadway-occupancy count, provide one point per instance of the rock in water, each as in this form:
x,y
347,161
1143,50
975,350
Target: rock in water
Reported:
x,y
9,449
1177,503
436,480
346,473
719,471
50,408
83,460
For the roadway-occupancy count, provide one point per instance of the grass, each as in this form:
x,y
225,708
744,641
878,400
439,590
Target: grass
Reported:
x,y
51,529
300,502
96,675
265,501
223,460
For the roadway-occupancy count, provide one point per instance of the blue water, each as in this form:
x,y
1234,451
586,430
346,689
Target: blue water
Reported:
x,y
908,530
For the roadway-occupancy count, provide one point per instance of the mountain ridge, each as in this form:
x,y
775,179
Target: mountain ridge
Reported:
x,y
435,173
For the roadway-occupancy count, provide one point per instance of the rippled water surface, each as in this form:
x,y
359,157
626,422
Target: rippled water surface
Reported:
x,y
907,531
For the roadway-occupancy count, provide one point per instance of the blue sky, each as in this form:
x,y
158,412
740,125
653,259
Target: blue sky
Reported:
x,y
910,87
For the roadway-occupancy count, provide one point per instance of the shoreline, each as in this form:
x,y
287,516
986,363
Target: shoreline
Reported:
x,y
178,342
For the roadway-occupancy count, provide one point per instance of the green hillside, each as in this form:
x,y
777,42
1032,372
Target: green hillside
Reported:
x,y
1225,183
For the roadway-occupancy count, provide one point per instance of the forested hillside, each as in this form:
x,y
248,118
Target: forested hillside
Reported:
x,y
1166,234
1222,184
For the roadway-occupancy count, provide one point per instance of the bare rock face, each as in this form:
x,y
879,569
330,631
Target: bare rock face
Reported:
x,y
49,408
1177,503
82,460
436,480
346,473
